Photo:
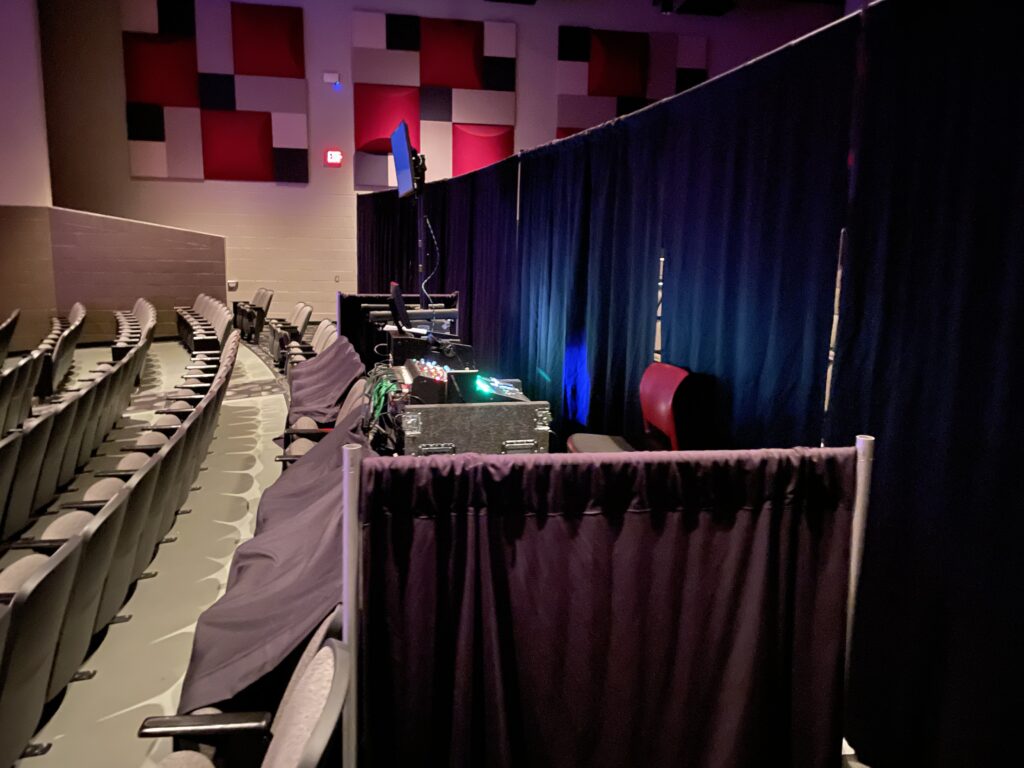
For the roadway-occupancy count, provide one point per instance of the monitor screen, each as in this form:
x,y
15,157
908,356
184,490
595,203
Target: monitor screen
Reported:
x,y
401,150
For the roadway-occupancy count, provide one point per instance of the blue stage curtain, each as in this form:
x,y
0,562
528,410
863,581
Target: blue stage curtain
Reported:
x,y
753,177
929,361
554,211
622,271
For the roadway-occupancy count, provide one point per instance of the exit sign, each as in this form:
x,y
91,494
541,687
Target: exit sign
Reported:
x,y
333,158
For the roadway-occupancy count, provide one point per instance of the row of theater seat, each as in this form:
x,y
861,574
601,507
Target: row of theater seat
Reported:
x,y
251,315
204,326
40,372
67,578
58,435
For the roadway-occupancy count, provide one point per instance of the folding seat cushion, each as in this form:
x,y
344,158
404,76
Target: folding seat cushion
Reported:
x,y
40,587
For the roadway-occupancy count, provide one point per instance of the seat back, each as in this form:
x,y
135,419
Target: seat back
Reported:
x,y
53,460
10,446
8,381
657,393
41,586
302,319
120,570
7,332
357,396
99,535
34,437
303,729
264,303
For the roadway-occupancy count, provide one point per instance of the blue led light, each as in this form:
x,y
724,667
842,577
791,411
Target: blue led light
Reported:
x,y
336,85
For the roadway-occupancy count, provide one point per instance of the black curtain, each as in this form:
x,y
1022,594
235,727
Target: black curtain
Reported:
x,y
754,180
622,269
637,609
386,247
929,361
492,297
554,219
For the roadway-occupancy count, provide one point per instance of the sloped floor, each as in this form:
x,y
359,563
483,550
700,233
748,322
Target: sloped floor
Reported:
x,y
140,664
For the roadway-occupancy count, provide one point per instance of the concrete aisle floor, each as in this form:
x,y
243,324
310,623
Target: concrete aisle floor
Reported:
x,y
140,664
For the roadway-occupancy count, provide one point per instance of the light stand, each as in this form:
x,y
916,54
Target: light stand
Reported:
x,y
419,177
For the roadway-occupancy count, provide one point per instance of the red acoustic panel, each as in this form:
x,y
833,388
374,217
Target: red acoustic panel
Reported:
x,y
267,40
161,71
618,63
474,146
451,53
563,133
237,146
378,109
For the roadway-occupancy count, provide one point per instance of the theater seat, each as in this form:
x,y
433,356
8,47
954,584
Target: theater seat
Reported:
x,y
38,588
658,388
301,730
306,432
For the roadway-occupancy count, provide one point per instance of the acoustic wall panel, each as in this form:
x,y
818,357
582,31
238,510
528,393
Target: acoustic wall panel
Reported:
x,y
438,71
632,69
220,86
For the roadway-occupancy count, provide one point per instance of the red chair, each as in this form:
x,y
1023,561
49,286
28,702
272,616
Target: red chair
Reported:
x,y
658,389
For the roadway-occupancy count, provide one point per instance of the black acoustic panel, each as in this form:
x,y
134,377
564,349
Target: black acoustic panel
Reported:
x,y
573,44
176,18
145,122
705,7
515,2
687,78
216,91
499,73
435,103
402,33
626,104
291,165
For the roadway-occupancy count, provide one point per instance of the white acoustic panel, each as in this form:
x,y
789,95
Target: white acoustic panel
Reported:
x,y
500,38
371,170
436,141
148,159
369,30
584,111
693,52
661,81
377,66
184,137
573,77
139,16
483,107
288,130
214,50
270,94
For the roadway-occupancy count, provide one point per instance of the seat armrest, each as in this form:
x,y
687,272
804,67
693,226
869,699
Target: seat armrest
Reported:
x,y
45,545
287,459
207,729
122,474
87,506
173,411
308,432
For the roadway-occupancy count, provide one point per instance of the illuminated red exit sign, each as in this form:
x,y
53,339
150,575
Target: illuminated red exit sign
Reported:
x,y
333,158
